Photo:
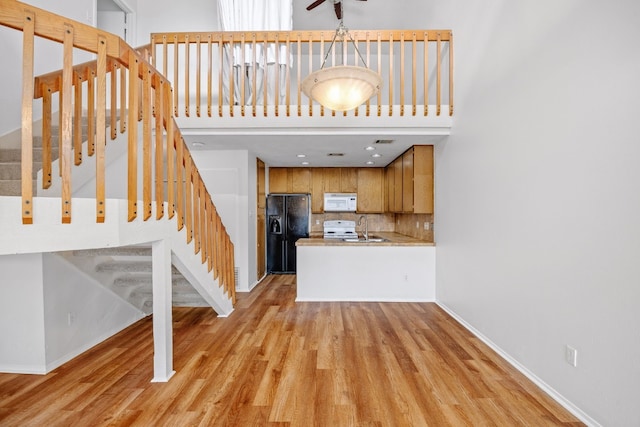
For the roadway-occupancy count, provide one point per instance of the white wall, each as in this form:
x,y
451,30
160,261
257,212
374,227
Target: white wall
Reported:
x,y
167,15
538,193
22,335
230,179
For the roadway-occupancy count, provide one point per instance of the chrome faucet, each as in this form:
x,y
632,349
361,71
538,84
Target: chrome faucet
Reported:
x,y
366,226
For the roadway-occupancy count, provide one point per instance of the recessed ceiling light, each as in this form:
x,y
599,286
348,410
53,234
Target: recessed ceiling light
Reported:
x,y
370,163
370,148
302,155
376,155
197,144
305,163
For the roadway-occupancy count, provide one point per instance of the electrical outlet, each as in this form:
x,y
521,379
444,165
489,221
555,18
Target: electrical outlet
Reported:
x,y
571,356
406,277
317,222
426,226
417,224
71,318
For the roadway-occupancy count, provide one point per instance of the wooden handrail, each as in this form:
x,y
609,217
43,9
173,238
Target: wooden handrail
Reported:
x,y
145,95
184,46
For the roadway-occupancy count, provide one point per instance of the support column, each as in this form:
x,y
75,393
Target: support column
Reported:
x,y
162,319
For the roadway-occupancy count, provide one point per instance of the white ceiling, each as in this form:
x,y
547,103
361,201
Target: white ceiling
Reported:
x,y
281,147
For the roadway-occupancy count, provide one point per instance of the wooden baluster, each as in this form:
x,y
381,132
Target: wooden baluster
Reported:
x,y
114,101
210,233
439,74
288,76
77,119
214,240
123,101
176,76
66,121
276,94
356,61
60,127
231,83
451,73
27,117
310,70
243,67
402,57
159,162
321,59
101,119
221,64
198,74
188,176
170,150
147,154
426,73
209,74
46,137
164,55
132,150
187,100
254,75
265,80
391,73
195,177
203,220
91,112
180,179
413,74
232,272
379,72
299,58
368,41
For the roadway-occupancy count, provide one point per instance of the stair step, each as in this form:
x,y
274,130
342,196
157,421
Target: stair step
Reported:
x,y
179,282
128,267
118,251
15,155
13,171
13,187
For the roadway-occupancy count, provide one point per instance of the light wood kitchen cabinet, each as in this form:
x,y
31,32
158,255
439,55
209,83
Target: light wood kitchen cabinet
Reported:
x,y
370,185
348,180
409,181
289,180
317,190
398,182
331,177
278,180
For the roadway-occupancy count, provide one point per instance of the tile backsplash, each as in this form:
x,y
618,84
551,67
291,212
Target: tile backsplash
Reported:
x,y
400,223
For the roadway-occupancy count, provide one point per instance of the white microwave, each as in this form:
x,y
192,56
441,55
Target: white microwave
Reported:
x,y
340,202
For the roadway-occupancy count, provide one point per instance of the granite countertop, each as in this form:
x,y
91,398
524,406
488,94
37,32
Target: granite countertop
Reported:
x,y
392,239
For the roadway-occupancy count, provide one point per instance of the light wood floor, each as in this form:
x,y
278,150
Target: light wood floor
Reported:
x,y
277,362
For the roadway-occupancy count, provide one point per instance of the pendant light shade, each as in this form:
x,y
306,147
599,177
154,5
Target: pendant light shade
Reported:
x,y
342,87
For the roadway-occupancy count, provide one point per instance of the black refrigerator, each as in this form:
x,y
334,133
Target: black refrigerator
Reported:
x,y
287,221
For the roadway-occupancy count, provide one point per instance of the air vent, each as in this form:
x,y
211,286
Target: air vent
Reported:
x,y
335,154
384,141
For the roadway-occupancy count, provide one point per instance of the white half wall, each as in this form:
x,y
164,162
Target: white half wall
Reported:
x,y
22,335
538,193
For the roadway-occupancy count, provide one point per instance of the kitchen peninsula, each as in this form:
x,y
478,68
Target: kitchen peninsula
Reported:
x,y
398,269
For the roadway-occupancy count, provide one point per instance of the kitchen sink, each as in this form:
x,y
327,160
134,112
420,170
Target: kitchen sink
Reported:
x,y
373,239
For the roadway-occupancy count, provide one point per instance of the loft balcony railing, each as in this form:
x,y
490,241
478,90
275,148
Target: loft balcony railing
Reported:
x,y
137,92
416,67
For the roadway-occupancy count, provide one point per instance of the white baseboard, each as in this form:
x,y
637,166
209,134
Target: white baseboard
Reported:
x,y
23,369
581,415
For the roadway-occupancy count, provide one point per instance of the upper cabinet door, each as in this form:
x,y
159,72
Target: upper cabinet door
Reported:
x,y
407,181
317,190
300,180
370,190
423,179
348,180
278,180
331,180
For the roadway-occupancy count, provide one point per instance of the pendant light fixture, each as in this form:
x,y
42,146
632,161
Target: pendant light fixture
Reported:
x,y
342,87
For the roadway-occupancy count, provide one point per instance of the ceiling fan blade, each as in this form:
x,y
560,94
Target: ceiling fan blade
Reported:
x,y
315,4
338,8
